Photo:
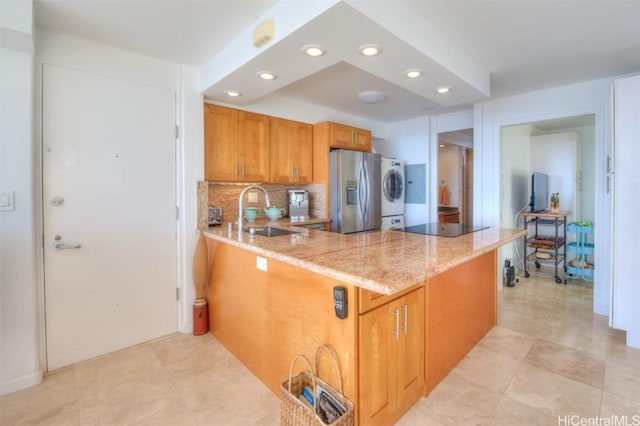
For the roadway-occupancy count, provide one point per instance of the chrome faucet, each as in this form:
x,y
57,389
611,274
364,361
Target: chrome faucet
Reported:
x,y
244,191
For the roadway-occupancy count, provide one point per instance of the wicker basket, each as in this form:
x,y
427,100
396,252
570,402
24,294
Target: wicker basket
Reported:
x,y
294,412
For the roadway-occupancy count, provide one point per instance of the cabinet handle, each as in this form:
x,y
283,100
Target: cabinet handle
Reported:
x,y
608,163
297,173
608,184
354,138
396,331
406,319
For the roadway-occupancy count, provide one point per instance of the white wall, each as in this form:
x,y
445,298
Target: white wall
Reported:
x,y
409,141
587,160
592,97
20,354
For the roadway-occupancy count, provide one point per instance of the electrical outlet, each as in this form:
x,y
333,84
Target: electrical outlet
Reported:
x,y
253,197
261,263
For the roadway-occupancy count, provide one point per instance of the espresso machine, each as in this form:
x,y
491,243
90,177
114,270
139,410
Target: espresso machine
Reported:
x,y
298,204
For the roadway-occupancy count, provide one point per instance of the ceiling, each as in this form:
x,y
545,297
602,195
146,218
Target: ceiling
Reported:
x,y
482,49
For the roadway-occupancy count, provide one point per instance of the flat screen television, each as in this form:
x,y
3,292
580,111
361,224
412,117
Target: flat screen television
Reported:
x,y
539,201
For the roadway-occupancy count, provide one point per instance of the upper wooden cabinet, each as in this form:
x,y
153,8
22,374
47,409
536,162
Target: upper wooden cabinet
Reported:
x,y
342,136
291,151
236,145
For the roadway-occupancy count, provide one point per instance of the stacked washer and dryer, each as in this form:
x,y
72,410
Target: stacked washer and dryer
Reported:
x,y
392,175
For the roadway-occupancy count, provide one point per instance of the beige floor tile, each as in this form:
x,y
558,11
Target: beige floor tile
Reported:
x,y
622,378
53,401
180,347
616,406
509,412
553,394
505,342
572,363
119,368
488,368
457,401
516,320
418,416
173,415
128,403
578,335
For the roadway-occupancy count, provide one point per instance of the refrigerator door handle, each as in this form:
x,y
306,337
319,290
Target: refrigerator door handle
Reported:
x,y
361,184
366,190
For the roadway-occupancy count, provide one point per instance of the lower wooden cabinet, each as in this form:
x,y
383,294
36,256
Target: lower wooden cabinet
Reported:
x,y
391,369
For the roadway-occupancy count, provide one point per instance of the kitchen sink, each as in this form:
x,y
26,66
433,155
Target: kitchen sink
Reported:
x,y
268,231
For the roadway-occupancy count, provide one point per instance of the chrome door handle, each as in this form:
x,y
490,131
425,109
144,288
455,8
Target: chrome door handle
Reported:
x,y
396,331
406,319
61,245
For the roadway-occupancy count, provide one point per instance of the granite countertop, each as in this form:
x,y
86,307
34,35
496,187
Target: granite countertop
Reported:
x,y
382,261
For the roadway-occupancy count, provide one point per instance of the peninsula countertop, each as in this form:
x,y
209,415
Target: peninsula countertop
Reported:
x,y
382,261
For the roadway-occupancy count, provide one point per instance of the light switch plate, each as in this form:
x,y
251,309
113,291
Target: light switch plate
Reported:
x,y
6,201
253,197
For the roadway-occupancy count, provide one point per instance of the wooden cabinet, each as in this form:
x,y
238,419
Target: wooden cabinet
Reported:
x,y
291,151
328,135
236,145
391,347
342,136
450,217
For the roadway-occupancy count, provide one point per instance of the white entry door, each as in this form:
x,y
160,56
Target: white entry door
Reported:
x,y
109,208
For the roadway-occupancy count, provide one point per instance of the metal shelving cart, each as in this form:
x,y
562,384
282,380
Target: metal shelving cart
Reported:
x,y
581,266
545,249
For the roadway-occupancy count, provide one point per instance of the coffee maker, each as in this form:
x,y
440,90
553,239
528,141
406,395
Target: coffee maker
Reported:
x,y
298,204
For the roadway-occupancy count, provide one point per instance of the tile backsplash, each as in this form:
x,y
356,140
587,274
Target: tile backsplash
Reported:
x,y
213,194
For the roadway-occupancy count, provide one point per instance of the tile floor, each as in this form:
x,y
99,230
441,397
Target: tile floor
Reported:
x,y
549,356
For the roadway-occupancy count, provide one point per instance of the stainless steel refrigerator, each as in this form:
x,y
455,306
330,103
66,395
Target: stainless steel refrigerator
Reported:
x,y
355,191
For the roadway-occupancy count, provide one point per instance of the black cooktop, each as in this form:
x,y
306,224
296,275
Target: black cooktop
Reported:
x,y
442,229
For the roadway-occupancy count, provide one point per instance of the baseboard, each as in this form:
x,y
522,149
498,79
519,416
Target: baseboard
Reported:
x,y
20,383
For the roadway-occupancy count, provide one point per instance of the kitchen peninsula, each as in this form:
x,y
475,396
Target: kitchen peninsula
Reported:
x,y
417,305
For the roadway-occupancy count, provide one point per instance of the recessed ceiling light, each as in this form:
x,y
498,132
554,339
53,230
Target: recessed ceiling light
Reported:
x,y
441,146
443,89
370,50
313,50
267,75
371,97
413,73
232,93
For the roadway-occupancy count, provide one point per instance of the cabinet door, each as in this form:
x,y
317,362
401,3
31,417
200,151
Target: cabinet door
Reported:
x,y
220,143
391,353
281,169
291,151
376,370
253,147
362,140
410,350
302,152
342,136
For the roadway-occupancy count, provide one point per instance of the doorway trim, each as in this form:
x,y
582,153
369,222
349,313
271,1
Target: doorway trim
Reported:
x,y
441,124
487,135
